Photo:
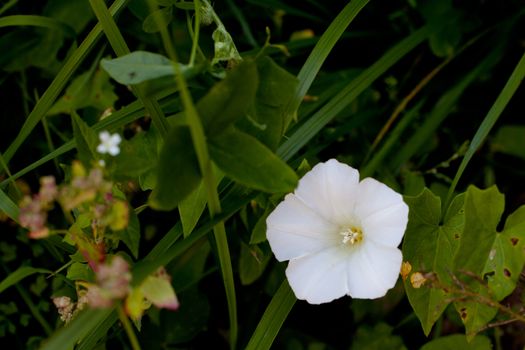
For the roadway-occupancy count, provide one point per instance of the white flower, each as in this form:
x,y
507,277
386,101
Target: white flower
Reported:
x,y
109,143
340,235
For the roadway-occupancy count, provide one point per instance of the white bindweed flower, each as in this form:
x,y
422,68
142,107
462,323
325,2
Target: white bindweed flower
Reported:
x,y
340,235
109,143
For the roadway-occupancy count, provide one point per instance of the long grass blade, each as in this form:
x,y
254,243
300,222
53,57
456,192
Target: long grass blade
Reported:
x,y
321,50
36,21
315,123
492,116
273,318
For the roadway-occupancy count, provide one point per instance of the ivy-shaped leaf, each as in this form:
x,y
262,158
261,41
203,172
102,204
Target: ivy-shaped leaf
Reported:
x,y
244,159
229,100
178,170
429,247
266,120
494,257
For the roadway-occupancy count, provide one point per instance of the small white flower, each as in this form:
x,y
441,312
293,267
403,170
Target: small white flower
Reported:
x,y
109,143
340,235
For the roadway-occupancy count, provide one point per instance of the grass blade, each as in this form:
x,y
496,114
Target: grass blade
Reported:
x,y
8,207
36,21
18,275
273,318
313,125
492,116
321,50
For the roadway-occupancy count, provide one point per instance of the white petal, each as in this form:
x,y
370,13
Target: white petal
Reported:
x,y
372,270
320,277
101,148
104,136
295,230
388,225
115,139
330,189
114,150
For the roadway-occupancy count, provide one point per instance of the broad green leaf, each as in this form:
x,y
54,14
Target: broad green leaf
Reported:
x,y
229,100
244,159
18,275
178,170
266,119
80,271
192,207
86,139
506,258
159,17
252,262
458,341
377,338
131,234
510,139
429,246
483,210
90,89
139,66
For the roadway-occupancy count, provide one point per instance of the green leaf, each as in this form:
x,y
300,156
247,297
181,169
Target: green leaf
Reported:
x,y
86,139
139,66
429,246
90,89
178,170
229,100
18,275
458,341
377,338
252,263
244,159
80,271
506,258
158,17
510,139
266,119
483,210
131,234
192,207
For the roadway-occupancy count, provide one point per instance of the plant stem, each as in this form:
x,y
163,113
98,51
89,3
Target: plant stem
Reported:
x,y
128,328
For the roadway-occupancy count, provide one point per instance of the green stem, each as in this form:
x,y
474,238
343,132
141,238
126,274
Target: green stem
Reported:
x,y
205,166
195,34
128,328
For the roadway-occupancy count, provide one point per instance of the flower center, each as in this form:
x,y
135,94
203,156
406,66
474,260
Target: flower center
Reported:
x,y
352,235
